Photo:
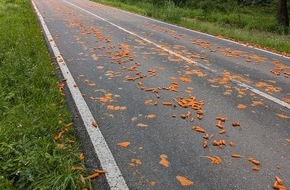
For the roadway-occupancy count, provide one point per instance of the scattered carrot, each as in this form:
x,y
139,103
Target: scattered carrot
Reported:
x,y
60,134
183,116
215,143
241,106
93,176
256,162
200,117
283,116
135,162
222,131
150,116
94,123
167,103
236,124
205,144
223,142
219,125
69,124
214,159
236,156
188,114
198,129
206,136
278,184
164,162
184,181
279,181
100,171
199,112
250,159
82,156
75,168
124,144
219,143
255,168
223,119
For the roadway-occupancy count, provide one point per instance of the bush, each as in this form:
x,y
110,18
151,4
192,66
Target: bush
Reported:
x,y
171,12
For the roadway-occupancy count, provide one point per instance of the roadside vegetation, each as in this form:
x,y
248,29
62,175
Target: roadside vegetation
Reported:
x,y
33,154
250,21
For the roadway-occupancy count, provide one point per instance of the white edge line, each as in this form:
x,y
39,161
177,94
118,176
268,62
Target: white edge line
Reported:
x,y
108,163
202,33
256,91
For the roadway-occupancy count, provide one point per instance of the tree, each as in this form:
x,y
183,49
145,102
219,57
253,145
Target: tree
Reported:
x,y
283,13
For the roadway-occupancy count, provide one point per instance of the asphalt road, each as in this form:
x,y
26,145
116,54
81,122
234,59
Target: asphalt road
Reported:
x,y
127,67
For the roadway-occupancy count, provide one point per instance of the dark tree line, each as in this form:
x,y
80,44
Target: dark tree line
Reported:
x,y
283,17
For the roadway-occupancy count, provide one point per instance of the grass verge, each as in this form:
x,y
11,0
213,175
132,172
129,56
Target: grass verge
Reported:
x,y
250,25
32,110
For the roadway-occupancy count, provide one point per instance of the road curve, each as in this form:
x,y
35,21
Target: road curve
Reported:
x,y
156,91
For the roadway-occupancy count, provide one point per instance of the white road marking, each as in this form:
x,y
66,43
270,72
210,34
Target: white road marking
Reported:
x,y
267,96
202,33
108,163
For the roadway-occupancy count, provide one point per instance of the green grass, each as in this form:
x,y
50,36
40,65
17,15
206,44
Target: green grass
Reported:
x,y
32,109
255,25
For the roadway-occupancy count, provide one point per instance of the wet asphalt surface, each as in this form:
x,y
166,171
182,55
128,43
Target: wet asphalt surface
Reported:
x,y
125,81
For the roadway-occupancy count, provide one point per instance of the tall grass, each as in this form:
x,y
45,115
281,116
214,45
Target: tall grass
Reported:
x,y
32,110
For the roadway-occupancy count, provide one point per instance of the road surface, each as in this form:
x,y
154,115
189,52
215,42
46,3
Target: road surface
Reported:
x,y
160,94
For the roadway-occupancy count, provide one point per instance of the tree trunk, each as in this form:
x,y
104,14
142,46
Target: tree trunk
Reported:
x,y
283,13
